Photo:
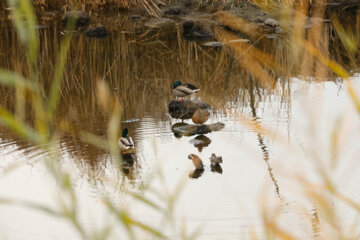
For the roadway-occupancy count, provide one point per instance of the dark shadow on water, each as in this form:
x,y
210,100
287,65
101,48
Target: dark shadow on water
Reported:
x,y
128,163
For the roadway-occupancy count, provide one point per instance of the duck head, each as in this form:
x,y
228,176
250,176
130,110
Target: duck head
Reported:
x,y
124,132
176,84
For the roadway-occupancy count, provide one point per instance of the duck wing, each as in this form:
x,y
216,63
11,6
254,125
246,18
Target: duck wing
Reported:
x,y
192,87
127,142
184,90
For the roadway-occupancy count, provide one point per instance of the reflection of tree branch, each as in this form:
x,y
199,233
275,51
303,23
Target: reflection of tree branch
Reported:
x,y
260,137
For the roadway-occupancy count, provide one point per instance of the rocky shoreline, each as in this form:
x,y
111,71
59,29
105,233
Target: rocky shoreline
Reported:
x,y
197,21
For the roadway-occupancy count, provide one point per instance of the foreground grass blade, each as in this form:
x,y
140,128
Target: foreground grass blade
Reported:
x,y
8,120
25,21
58,77
13,79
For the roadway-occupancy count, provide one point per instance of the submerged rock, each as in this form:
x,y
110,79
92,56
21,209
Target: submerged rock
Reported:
x,y
80,18
97,32
185,109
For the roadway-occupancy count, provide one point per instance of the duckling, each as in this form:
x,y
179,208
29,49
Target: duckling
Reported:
x,y
196,161
215,160
200,116
125,142
181,90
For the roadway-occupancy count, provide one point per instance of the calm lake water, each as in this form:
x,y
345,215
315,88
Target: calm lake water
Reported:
x,y
268,171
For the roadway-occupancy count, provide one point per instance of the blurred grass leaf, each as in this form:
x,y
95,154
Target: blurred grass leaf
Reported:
x,y
8,120
24,19
13,79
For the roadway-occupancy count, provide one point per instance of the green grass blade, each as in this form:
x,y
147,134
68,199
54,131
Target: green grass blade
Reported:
x,y
31,205
8,120
24,19
13,79
58,77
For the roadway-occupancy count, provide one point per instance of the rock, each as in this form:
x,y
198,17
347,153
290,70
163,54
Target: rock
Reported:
x,y
96,32
271,22
160,23
184,129
214,44
175,10
197,30
81,18
185,109
278,29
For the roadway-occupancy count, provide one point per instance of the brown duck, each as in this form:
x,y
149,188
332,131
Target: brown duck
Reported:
x,y
200,116
196,161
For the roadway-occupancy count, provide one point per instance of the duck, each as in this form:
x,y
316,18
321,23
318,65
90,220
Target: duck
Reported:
x,y
200,116
181,90
215,160
196,161
125,141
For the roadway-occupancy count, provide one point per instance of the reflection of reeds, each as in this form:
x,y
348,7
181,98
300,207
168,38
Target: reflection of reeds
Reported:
x,y
140,68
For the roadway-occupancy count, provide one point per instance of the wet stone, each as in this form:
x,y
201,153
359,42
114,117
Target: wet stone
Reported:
x,y
185,109
271,22
96,32
81,18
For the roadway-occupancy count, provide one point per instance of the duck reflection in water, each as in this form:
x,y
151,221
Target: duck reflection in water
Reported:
x,y
215,163
199,166
128,163
200,142
196,173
